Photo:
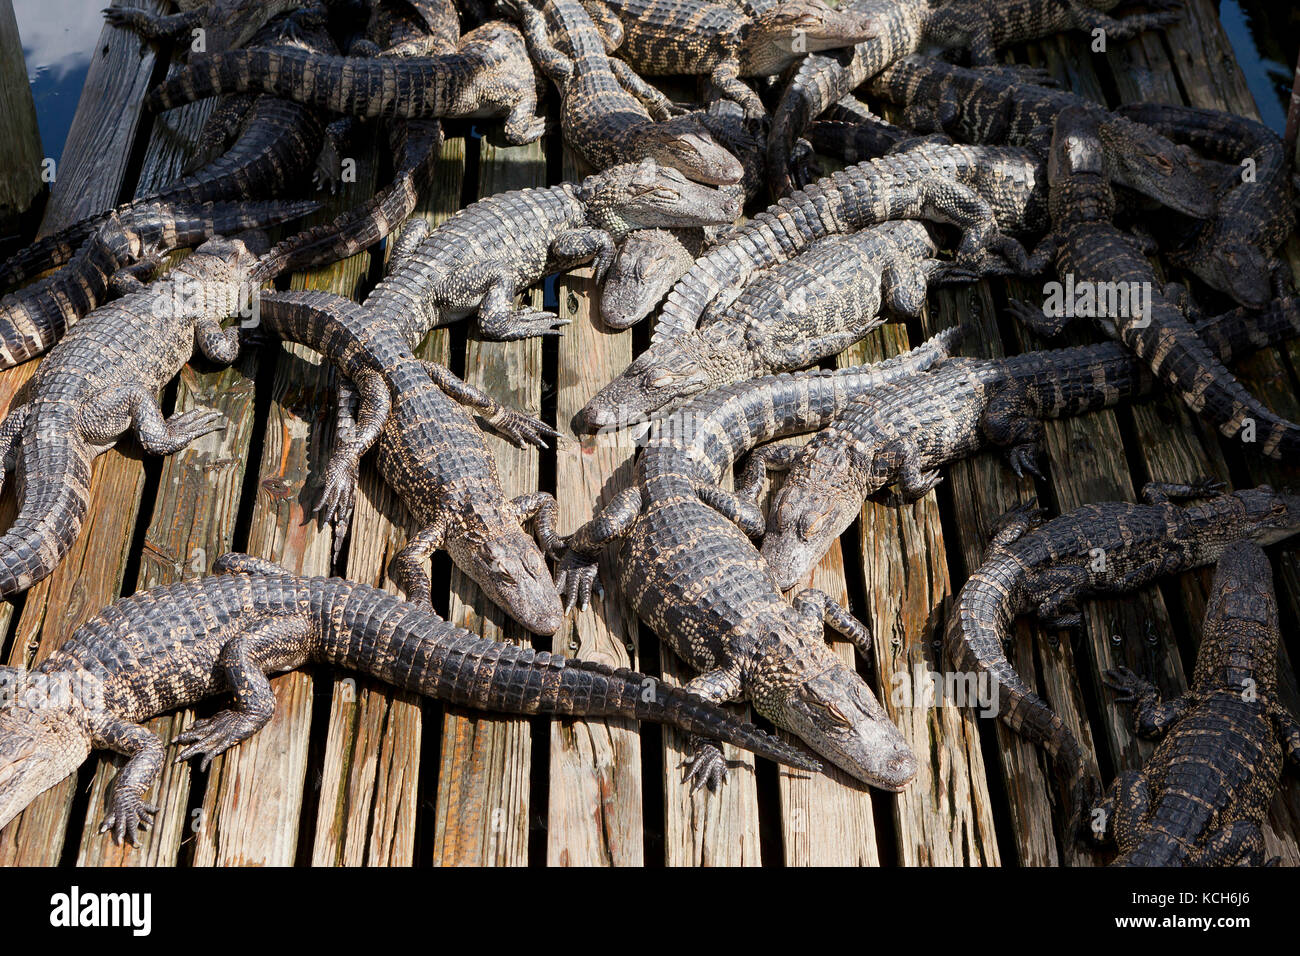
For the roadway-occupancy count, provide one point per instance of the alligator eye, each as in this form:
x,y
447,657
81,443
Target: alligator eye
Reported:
x,y
1164,162
659,381
831,713
810,524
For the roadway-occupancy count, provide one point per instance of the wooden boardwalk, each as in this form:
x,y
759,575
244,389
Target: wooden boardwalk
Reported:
x,y
349,772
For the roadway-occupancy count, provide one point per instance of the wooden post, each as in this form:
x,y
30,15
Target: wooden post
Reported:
x,y
20,177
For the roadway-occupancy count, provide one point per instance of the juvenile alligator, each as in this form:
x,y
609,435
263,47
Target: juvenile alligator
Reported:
x,y
273,142
1092,252
1202,797
1049,568
431,453
685,563
604,114
705,38
124,247
103,379
650,261
490,74
989,192
224,24
789,317
904,432
1004,106
175,645
480,257
1235,251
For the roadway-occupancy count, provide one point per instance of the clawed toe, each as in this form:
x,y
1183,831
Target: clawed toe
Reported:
x,y
705,767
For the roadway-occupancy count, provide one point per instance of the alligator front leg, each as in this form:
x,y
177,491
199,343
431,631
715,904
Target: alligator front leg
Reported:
x,y
557,67
544,508
519,428
744,513
410,566
774,457
497,316
1152,718
1014,524
576,575
127,809
1010,421
726,79
215,343
272,644
576,246
819,608
343,469
947,201
706,766
1123,813
1122,28
659,106
1038,320
1162,492
154,26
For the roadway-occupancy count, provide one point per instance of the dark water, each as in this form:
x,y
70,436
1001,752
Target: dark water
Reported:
x,y
58,36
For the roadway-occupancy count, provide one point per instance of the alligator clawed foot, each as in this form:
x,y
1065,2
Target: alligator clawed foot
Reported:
x,y
127,814
214,735
1128,686
525,430
705,767
574,579
1023,460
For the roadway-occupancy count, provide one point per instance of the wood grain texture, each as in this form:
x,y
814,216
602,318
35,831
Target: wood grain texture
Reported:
x,y
20,175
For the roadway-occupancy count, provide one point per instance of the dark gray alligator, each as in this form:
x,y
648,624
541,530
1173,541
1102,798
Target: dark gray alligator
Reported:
x,y
1202,797
175,645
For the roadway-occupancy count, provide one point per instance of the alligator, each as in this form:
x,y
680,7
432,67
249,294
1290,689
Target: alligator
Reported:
x,y
1235,251
987,191
102,380
905,432
1202,797
1112,547
124,248
431,454
706,38
790,317
272,142
608,115
649,262
1094,255
174,645
1008,105
903,26
223,24
688,568
489,75
480,257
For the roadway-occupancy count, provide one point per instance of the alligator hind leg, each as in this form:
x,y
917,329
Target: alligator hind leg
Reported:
x,y
1124,811
127,809
153,26
520,428
819,607
157,435
408,240
1151,718
10,429
706,766
268,645
409,566
342,471
1288,729
1240,843
236,562
215,343
576,576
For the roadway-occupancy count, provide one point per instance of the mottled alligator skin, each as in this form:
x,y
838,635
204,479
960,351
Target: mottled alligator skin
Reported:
x,y
686,564
1202,797
1113,547
273,143
903,433
175,645
789,317
483,255
824,79
34,318
223,24
431,453
650,261
102,380
607,115
1004,105
701,37
1093,254
985,26
1235,251
490,74
987,191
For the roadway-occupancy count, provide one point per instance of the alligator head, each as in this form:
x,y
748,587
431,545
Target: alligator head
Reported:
x,y
807,689
649,195
1241,622
42,741
1141,159
508,565
664,377
776,38
646,266
1233,266
684,144
1268,516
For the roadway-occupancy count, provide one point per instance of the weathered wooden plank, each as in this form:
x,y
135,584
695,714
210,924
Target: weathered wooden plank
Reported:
x,y
366,812
20,178
91,574
254,792
594,805
89,177
483,782
944,818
